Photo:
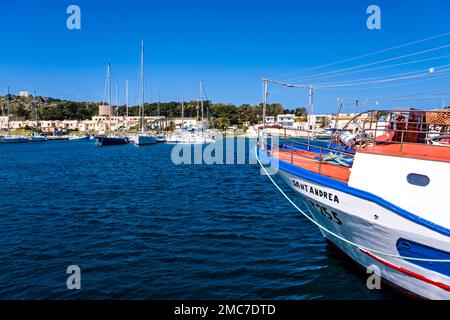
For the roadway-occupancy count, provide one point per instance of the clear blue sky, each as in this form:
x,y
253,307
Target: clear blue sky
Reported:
x,y
227,44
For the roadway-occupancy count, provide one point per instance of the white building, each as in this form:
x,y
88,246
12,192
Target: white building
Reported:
x,y
286,120
270,120
24,94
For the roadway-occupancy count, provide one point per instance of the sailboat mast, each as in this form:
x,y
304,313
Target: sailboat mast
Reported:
x,y
158,113
108,77
126,103
182,109
7,109
35,109
201,102
142,86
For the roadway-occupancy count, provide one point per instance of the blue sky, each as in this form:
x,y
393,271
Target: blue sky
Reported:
x,y
229,45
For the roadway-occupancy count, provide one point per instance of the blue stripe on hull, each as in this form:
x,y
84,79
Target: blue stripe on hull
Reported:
x,y
408,248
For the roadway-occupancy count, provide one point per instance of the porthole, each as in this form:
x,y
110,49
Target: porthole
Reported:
x,y
418,179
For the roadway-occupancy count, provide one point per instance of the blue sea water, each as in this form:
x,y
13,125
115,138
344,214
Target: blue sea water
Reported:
x,y
141,227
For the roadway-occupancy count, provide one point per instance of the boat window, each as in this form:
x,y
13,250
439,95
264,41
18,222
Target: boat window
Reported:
x,y
418,179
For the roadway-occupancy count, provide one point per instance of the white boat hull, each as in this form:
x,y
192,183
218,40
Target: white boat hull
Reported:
x,y
373,226
38,139
142,140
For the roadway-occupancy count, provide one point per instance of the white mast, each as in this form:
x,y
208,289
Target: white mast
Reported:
x,y
158,113
182,110
201,102
126,103
142,86
108,76
7,109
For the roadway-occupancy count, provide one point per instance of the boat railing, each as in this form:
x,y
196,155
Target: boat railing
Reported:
x,y
401,127
305,150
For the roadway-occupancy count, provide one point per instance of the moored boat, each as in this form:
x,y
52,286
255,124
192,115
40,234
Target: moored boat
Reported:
x,y
38,138
383,204
13,139
112,141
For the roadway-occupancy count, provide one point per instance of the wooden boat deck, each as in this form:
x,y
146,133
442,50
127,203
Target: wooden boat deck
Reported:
x,y
307,160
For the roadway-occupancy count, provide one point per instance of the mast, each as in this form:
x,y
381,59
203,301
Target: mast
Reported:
x,y
126,104
158,113
182,110
35,109
108,81
198,107
117,94
7,110
142,86
201,102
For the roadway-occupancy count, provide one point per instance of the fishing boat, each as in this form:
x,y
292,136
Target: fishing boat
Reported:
x,y
143,138
9,138
385,203
110,139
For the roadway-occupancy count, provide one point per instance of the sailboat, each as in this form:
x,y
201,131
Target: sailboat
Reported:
x,y
8,138
36,136
199,135
143,138
111,140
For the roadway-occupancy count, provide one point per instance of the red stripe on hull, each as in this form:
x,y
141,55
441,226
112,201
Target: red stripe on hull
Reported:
x,y
407,272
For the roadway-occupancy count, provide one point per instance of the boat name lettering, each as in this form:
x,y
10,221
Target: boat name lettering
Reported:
x,y
316,191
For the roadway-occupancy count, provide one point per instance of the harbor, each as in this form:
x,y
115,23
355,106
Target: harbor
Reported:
x,y
226,160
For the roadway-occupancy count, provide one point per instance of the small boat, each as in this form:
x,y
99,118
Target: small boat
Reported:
x,y
143,139
385,204
112,141
38,138
12,139
78,138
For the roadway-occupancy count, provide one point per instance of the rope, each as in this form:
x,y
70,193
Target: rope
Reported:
x,y
338,236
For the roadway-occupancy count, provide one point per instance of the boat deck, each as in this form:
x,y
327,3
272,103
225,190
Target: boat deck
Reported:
x,y
416,151
308,160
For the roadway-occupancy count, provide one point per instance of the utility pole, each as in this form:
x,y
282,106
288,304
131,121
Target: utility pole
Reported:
x,y
310,106
265,94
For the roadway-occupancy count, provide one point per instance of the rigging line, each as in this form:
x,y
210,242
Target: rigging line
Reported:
x,y
372,63
333,233
384,67
386,86
365,55
382,77
421,75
